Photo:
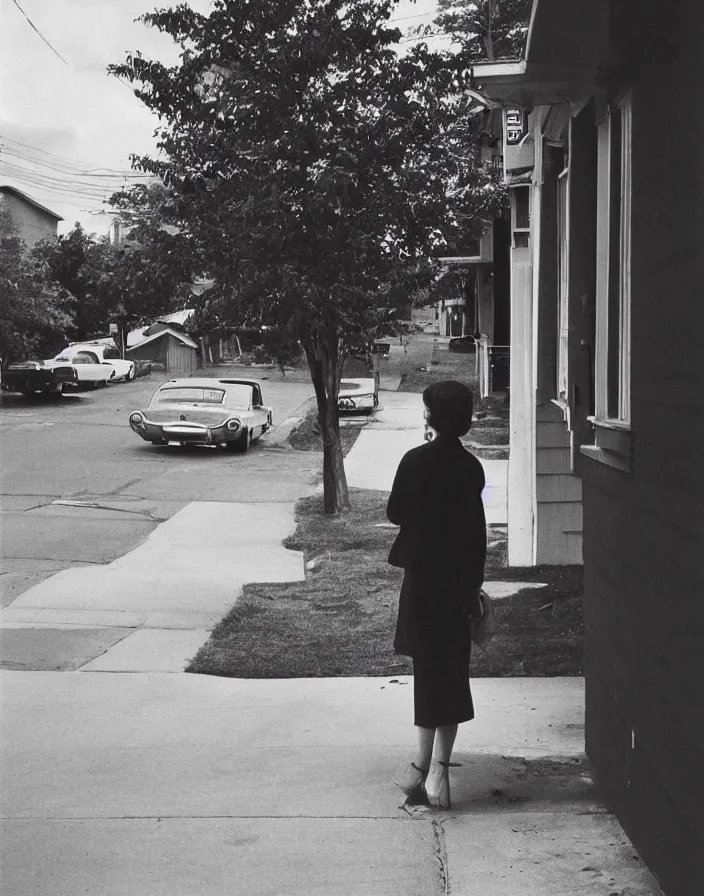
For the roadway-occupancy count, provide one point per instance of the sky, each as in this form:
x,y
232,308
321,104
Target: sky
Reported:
x,y
67,128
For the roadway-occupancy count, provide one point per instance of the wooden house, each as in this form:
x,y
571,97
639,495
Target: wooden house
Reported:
x,y
602,153
172,348
32,220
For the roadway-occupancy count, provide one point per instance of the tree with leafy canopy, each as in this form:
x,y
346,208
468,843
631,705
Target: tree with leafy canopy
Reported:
x,y
77,262
35,314
485,30
316,169
145,275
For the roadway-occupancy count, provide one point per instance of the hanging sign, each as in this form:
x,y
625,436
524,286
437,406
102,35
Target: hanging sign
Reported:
x,y
514,125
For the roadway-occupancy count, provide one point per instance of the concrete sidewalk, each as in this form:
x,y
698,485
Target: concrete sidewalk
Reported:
x,y
183,785
153,608
394,429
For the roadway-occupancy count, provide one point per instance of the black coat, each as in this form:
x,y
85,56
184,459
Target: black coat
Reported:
x,y
436,500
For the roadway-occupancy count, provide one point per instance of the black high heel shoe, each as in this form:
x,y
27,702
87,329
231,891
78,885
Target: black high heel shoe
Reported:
x,y
412,782
439,796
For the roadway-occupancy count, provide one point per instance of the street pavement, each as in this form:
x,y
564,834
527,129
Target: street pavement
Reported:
x,y
127,555
117,780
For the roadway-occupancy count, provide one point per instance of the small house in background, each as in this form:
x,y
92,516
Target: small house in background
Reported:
x,y
175,350
33,221
134,337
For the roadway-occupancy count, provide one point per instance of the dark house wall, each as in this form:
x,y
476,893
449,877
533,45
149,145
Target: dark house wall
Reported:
x,y
644,530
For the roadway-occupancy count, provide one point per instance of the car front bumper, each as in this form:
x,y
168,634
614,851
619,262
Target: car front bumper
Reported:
x,y
358,402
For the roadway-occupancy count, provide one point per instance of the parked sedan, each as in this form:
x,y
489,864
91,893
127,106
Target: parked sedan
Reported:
x,y
358,395
204,411
101,352
90,372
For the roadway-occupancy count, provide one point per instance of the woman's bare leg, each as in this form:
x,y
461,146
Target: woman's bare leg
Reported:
x,y
426,738
444,742
412,779
437,783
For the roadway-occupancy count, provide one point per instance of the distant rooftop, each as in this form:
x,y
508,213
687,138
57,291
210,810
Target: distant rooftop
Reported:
x,y
6,188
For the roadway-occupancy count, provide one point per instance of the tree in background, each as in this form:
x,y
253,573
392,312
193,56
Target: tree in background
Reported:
x,y
35,313
146,274
485,29
78,262
314,168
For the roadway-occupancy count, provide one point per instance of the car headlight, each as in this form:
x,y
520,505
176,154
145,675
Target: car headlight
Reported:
x,y
136,419
233,425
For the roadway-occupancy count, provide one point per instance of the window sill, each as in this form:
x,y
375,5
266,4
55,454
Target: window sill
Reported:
x,y
613,444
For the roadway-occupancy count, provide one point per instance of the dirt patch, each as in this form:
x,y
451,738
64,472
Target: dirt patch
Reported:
x,y
305,436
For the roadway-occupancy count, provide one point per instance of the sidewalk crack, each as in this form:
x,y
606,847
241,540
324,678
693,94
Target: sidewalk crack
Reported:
x,y
441,856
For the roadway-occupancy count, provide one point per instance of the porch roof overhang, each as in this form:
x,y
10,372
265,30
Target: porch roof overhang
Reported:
x,y
564,61
462,259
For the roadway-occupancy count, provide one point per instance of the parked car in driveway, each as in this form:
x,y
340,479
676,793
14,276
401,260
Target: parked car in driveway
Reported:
x,y
47,377
204,411
102,354
358,395
90,373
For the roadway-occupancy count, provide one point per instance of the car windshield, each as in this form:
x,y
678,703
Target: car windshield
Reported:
x,y
190,395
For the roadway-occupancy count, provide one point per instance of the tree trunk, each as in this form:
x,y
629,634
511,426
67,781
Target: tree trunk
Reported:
x,y
326,382
489,36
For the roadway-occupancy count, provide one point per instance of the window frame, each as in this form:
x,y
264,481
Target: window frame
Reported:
x,y
562,385
613,438
604,285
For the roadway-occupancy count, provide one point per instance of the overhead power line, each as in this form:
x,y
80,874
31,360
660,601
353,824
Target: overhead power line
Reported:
x,y
418,15
408,40
53,50
62,169
63,161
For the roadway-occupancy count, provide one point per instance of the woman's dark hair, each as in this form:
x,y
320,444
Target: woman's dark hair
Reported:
x,y
451,405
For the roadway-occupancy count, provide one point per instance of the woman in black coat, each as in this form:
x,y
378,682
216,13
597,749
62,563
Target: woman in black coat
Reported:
x,y
436,500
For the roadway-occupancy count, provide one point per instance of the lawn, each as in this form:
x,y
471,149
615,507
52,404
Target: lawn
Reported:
x,y
340,621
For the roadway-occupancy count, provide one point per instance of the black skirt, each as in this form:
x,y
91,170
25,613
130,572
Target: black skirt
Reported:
x,y
434,610
441,691
433,628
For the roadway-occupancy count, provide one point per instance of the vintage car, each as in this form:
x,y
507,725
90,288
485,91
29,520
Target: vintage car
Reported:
x,y
98,362
358,395
47,377
204,411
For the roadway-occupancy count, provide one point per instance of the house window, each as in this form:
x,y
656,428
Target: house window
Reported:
x,y
612,416
613,294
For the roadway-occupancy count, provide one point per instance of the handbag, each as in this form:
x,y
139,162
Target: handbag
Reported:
x,y
484,629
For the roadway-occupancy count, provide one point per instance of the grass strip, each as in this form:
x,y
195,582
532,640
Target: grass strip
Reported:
x,y
340,621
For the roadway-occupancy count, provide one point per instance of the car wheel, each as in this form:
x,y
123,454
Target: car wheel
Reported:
x,y
131,374
241,446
